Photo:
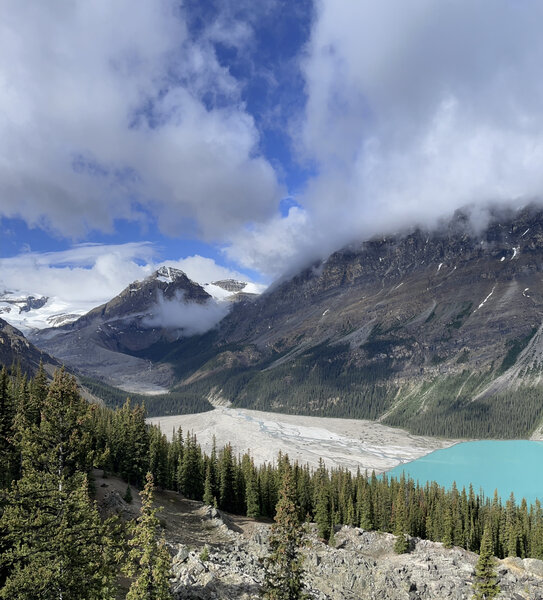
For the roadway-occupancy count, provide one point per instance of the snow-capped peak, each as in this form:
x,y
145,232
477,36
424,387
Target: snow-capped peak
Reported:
x,y
168,274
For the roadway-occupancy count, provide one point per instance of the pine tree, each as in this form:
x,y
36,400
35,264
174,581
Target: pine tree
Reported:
x,y
284,570
208,488
8,449
226,479
486,585
148,560
57,545
400,527
323,517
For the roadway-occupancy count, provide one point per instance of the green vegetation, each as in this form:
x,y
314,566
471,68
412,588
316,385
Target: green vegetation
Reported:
x,y
284,565
515,347
450,411
171,403
148,561
486,580
51,438
461,316
318,382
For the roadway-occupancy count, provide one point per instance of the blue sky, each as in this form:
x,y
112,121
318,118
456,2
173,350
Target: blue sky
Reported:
x,y
234,138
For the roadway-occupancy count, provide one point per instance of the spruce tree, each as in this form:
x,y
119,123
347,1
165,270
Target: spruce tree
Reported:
x,y
284,566
208,488
323,517
486,585
400,524
148,560
57,545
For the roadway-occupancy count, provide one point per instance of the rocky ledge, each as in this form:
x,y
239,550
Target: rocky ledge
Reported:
x,y
361,565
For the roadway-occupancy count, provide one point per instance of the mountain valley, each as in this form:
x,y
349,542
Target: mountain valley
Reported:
x,y
439,332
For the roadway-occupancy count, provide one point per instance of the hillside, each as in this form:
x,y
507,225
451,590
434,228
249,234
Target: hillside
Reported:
x,y
15,349
437,331
237,544
104,343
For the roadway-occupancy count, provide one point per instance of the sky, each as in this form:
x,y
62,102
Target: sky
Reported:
x,y
244,139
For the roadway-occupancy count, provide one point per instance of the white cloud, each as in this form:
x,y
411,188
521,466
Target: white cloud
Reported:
x,y
110,108
191,318
82,277
414,108
410,118
204,270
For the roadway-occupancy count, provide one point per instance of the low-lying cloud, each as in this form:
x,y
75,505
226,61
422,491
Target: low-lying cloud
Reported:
x,y
190,317
414,109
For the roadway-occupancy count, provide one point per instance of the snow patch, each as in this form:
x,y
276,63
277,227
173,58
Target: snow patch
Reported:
x,y
439,267
484,301
515,252
502,258
326,311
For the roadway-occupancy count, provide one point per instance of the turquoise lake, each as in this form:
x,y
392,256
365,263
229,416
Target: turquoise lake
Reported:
x,y
508,466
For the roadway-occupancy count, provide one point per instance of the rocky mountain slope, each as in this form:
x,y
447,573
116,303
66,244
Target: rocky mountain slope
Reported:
x,y
16,349
440,331
106,341
362,565
232,290
437,331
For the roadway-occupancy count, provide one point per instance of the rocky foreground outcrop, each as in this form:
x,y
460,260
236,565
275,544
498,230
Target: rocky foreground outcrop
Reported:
x,y
361,565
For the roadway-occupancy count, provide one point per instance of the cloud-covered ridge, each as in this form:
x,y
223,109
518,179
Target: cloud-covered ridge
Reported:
x,y
414,109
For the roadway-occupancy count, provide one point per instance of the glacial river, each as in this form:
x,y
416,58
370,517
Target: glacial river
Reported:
x,y
508,466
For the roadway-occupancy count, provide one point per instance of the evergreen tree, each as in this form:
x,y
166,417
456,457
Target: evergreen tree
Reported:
x,y
284,570
226,479
148,560
251,495
57,545
486,585
402,544
8,449
209,499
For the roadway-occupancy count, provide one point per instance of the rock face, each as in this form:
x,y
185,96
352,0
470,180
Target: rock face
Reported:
x,y
105,342
392,327
15,348
361,566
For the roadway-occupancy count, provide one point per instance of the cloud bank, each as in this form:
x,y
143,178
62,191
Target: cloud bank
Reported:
x,y
88,275
410,109
414,109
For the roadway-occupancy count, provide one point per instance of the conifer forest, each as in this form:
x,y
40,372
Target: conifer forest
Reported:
x,y
53,540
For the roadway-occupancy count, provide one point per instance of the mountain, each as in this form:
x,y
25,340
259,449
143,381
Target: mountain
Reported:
x,y
439,331
16,349
106,341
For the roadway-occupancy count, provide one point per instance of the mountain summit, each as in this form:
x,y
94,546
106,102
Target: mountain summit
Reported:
x,y
106,341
